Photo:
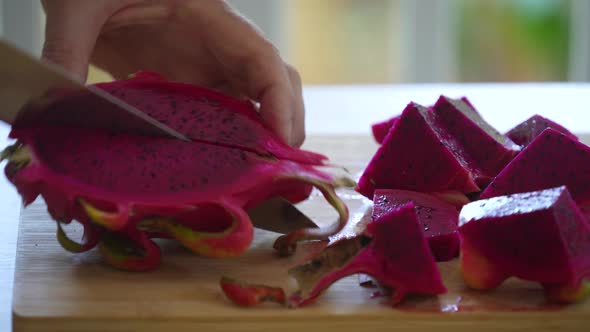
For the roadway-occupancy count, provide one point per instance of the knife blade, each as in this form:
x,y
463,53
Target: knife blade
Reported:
x,y
32,91
280,216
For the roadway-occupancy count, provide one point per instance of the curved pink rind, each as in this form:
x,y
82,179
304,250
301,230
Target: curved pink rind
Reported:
x,y
247,295
125,254
397,243
113,221
230,242
286,244
91,238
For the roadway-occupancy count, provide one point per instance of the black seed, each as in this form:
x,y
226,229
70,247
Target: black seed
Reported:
x,y
316,263
365,240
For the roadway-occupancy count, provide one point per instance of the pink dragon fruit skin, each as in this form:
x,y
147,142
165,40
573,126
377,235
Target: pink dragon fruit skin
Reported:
x,y
415,157
396,255
552,159
392,250
126,189
537,236
381,129
526,131
439,219
483,145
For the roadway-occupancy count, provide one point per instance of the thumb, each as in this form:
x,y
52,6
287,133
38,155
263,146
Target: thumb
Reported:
x,y
71,30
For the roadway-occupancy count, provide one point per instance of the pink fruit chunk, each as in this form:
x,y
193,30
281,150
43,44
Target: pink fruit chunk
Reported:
x,y
246,295
415,156
552,159
392,250
447,148
439,219
526,131
538,236
487,150
381,129
126,189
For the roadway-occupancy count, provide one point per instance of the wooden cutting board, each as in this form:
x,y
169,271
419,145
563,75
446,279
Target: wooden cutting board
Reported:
x,y
58,291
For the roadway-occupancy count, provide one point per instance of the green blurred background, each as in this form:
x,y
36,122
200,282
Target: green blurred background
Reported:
x,y
399,41
355,41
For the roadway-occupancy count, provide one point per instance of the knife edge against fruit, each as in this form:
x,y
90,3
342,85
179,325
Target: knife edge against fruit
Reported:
x,y
32,91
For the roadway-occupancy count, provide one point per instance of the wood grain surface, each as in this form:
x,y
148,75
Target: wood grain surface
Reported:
x,y
58,291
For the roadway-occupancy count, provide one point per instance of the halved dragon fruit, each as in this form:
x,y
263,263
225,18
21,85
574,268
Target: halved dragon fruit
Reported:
x,y
526,131
447,149
392,249
380,129
552,159
199,113
537,236
439,219
126,189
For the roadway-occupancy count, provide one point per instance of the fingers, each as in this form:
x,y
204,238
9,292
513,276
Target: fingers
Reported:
x,y
255,66
298,124
72,27
276,102
265,79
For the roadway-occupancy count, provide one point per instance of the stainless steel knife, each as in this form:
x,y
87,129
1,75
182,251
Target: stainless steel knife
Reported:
x,y
280,216
35,92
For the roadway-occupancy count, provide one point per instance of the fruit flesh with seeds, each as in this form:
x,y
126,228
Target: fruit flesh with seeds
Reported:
x,y
439,219
552,159
525,132
449,147
483,147
205,115
126,189
538,236
415,157
381,129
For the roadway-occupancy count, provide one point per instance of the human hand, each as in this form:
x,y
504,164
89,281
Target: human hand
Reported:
x,y
202,42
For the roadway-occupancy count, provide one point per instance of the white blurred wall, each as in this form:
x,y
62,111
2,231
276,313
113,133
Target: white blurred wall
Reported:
x,y
23,23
